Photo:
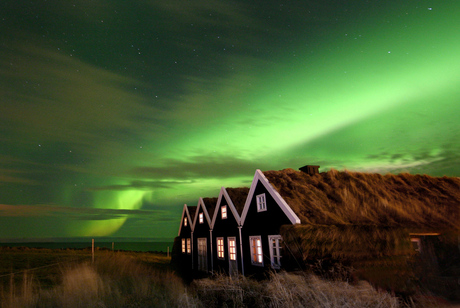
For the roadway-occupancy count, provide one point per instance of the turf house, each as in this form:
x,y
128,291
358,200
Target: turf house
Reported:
x,y
202,250
226,230
390,229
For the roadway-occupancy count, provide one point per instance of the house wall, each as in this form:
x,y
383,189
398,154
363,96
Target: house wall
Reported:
x,y
201,231
261,224
182,261
225,228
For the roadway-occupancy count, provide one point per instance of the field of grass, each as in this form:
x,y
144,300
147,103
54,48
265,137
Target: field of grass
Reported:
x,y
68,278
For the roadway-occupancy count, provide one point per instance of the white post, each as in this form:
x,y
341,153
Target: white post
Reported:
x,y
241,250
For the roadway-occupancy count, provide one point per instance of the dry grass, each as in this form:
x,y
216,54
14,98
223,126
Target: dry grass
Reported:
x,y
289,290
344,198
123,280
114,280
135,280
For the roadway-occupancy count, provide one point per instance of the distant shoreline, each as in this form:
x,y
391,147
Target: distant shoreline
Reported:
x,y
121,245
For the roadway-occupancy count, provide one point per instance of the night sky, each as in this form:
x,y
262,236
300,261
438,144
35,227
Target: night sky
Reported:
x,y
113,114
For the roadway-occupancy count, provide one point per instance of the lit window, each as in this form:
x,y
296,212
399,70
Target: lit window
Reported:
x,y
416,244
220,247
256,250
232,248
261,203
275,248
200,217
183,245
223,211
189,247
185,221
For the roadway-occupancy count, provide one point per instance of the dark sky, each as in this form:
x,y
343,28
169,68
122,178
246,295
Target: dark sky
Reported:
x,y
113,114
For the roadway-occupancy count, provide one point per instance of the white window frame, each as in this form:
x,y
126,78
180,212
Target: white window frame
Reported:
x,y
185,221
223,211
220,248
416,244
257,257
274,243
189,246
231,248
183,245
201,218
261,203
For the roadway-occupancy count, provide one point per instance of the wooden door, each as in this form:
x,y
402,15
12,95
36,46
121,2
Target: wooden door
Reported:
x,y
202,255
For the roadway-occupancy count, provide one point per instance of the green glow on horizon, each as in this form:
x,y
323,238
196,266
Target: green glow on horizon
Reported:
x,y
125,200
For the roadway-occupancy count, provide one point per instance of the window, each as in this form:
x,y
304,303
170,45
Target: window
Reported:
x,y
185,221
261,203
200,217
189,247
256,250
232,263
232,248
220,248
223,211
416,244
274,242
183,245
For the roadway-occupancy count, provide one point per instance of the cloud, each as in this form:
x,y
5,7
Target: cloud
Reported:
x,y
212,166
139,185
48,94
78,213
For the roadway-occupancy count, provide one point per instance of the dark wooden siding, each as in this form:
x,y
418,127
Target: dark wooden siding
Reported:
x,y
182,261
225,228
201,231
261,224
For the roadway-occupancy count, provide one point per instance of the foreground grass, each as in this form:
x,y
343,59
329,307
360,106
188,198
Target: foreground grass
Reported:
x,y
289,290
121,279
127,279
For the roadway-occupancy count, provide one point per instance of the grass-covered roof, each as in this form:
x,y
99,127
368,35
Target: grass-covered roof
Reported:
x,y
417,202
238,196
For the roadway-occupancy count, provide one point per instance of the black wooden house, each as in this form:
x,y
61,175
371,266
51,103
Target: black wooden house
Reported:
x,y
265,211
202,252
183,244
226,230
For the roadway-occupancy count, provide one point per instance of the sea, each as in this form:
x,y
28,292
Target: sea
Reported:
x,y
131,246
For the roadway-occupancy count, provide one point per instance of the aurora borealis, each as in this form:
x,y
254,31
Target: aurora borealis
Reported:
x,y
114,114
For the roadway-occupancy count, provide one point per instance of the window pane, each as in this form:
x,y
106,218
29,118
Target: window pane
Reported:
x,y
232,249
224,212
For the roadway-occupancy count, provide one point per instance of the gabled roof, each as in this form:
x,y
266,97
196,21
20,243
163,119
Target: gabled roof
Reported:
x,y
192,211
417,202
210,204
231,196
259,177
187,211
207,205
